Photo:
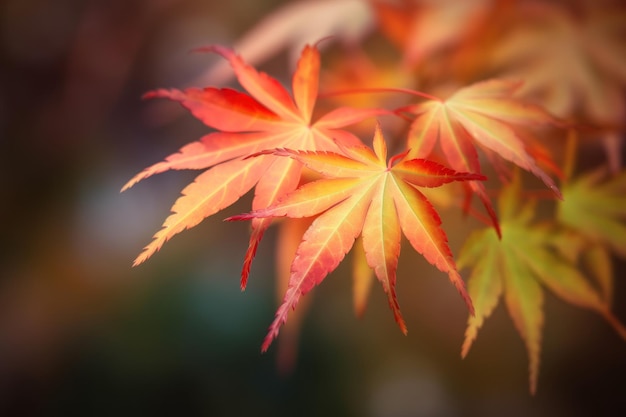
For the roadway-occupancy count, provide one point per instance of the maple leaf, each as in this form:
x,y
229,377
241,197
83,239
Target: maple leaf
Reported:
x,y
593,258
487,114
362,280
595,206
573,60
363,195
266,118
288,238
424,28
297,24
516,267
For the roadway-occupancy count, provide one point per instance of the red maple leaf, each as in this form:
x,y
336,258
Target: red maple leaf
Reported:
x,y
365,195
268,117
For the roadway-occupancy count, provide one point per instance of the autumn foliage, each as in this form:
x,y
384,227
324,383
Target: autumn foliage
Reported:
x,y
496,96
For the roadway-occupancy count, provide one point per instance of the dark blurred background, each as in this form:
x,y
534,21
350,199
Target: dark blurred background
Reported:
x,y
82,333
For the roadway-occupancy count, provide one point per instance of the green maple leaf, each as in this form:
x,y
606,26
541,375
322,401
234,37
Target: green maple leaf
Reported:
x,y
516,268
596,207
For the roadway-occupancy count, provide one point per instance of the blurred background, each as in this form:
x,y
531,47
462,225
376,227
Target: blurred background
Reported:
x,y
83,333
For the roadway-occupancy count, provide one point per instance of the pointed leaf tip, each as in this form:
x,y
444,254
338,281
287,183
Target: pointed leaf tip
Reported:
x,y
158,93
240,217
214,48
255,239
460,286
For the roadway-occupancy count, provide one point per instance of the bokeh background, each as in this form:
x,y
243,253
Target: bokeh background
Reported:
x,y
82,333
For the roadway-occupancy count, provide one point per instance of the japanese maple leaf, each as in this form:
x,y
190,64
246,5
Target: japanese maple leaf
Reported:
x,y
296,24
363,195
288,235
592,257
425,27
266,118
486,114
595,206
573,60
516,267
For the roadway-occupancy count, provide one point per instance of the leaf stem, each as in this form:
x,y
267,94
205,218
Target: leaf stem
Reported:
x,y
571,148
382,90
482,218
542,194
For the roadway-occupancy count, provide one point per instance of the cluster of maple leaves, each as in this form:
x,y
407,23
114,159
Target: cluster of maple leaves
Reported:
x,y
524,82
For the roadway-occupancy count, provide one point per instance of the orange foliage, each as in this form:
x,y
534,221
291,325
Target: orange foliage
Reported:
x,y
513,70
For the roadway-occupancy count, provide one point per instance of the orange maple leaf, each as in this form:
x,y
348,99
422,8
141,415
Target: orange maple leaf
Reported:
x,y
573,58
298,23
363,195
423,28
266,118
487,114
